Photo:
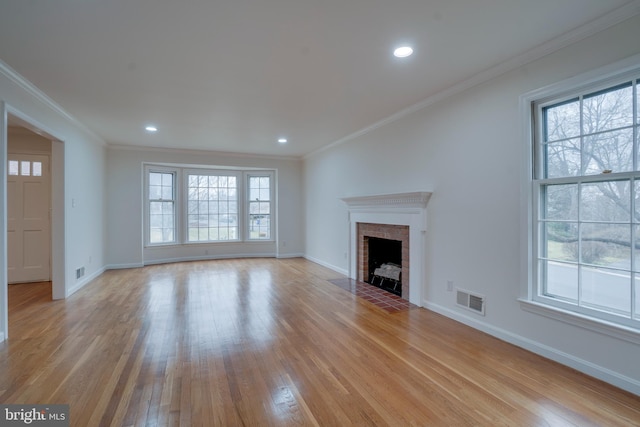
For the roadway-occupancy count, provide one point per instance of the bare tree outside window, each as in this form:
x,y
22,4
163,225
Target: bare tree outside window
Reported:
x,y
589,219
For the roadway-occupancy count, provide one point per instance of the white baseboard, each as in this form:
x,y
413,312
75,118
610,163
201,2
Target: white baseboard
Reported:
x,y
329,266
208,258
629,384
284,256
123,266
78,285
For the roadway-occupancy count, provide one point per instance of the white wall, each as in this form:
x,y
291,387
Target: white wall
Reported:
x,y
80,158
468,150
125,208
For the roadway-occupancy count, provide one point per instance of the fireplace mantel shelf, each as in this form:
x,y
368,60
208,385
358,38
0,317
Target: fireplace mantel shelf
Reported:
x,y
399,200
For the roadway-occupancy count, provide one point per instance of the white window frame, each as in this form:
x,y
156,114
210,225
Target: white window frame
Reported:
x,y
272,197
531,298
181,173
148,169
185,207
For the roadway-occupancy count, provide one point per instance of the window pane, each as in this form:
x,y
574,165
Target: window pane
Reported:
x,y
561,202
638,101
561,280
605,201
155,208
607,290
562,121
608,110
155,192
608,152
25,168
155,178
167,180
155,221
637,296
606,245
562,158
561,241
13,167
167,193
37,168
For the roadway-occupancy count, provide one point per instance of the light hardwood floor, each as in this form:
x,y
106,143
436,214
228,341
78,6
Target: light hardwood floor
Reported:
x,y
271,342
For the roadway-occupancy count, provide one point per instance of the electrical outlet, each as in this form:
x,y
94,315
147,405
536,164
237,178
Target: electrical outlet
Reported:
x,y
450,285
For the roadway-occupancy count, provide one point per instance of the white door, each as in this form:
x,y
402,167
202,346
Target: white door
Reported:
x,y
28,223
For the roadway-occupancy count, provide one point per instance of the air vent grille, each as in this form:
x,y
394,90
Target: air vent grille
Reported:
x,y
470,301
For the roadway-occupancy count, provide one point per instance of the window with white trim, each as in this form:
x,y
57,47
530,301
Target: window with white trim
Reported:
x,y
187,205
586,188
260,206
161,207
212,206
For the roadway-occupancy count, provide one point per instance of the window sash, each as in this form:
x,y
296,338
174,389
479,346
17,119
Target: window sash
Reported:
x,y
576,284
161,206
260,206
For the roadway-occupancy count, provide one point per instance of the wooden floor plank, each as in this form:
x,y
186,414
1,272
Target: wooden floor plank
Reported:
x,y
272,342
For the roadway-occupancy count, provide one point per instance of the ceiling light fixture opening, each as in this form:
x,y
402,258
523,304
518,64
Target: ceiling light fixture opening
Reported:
x,y
151,128
282,140
403,52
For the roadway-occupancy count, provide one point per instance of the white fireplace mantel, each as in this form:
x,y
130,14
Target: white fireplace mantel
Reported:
x,y
394,201
396,209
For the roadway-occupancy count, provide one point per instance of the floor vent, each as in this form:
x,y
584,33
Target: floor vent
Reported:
x,y
470,301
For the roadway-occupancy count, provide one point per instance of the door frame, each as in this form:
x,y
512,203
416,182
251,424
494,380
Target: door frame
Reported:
x,y
58,218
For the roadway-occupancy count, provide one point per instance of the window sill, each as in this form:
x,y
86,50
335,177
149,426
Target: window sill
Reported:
x,y
217,243
596,325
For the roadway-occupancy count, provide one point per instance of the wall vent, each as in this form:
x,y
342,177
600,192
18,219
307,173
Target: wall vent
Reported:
x,y
470,301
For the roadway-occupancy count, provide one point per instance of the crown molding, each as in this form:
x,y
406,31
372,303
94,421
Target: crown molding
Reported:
x,y
595,26
148,148
36,93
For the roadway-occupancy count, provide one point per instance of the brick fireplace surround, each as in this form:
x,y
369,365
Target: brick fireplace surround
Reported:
x,y
383,231
401,215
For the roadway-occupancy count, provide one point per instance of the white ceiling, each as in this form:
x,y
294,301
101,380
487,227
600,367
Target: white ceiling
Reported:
x,y
236,75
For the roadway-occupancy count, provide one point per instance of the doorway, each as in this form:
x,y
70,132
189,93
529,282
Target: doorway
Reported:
x,y
10,118
28,207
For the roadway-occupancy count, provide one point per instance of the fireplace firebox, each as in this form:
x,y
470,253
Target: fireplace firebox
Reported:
x,y
385,264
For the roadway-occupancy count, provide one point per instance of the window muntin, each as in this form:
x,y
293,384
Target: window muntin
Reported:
x,y
212,207
588,216
260,207
162,207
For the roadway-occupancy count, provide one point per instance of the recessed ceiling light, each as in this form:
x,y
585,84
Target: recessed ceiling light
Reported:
x,y
282,140
403,52
151,129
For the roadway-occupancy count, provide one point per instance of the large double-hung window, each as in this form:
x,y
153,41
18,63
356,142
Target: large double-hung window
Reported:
x,y
587,201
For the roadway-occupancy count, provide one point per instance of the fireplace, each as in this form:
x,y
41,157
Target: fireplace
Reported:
x,y
400,217
384,244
